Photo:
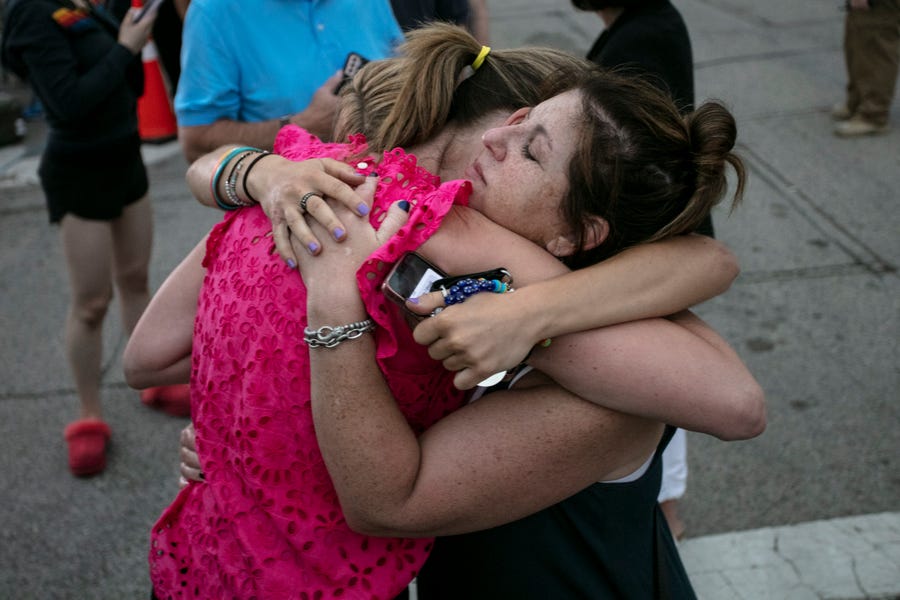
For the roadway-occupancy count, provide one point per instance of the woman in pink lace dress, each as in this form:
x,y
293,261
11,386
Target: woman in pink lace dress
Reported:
x,y
266,522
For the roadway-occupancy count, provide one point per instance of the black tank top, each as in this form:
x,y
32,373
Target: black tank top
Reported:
x,y
608,541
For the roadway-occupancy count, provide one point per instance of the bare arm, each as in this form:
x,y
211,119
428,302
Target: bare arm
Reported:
x,y
703,386
501,458
507,455
159,351
316,118
493,333
198,139
624,367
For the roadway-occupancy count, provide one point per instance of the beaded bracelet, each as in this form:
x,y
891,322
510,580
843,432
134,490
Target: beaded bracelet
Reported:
x,y
217,174
231,181
329,337
458,292
262,155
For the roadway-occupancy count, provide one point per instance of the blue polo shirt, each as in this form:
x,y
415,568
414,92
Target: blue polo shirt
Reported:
x,y
257,60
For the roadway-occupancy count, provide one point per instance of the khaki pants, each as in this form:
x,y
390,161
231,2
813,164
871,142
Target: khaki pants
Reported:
x,y
872,54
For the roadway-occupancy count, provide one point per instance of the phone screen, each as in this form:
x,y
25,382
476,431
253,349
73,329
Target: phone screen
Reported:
x,y
411,277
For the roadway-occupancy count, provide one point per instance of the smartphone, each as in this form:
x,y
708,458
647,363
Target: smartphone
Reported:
x,y
412,276
142,11
353,63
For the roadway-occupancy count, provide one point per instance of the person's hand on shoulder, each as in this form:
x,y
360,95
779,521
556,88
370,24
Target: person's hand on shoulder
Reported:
x,y
335,267
290,191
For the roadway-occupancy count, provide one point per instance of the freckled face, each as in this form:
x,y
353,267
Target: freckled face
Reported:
x,y
521,175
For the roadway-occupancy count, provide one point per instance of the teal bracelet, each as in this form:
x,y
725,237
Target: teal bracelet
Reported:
x,y
220,168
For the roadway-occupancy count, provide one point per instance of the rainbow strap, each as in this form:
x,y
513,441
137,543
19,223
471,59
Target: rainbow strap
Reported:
x,y
74,20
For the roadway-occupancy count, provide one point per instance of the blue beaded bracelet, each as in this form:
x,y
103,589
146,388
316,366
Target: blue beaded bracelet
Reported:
x,y
459,291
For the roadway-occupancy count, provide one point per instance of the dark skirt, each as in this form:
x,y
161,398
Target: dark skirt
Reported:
x,y
95,184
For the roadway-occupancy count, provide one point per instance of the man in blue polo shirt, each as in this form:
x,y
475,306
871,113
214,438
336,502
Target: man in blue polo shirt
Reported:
x,y
249,68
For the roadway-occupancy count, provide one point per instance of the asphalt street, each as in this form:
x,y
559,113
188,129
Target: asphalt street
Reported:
x,y
810,509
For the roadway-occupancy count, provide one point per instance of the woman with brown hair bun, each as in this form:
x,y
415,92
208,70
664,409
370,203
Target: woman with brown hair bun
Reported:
x,y
508,483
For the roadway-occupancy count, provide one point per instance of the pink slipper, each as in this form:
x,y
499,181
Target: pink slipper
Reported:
x,y
87,446
174,400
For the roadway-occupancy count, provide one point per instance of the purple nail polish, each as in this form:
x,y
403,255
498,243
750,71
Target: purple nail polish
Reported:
x,y
413,300
338,233
313,247
291,263
363,209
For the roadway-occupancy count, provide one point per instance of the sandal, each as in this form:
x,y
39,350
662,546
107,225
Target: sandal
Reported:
x,y
173,400
87,440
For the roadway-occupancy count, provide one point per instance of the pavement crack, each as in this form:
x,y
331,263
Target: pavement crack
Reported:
x,y
743,13
762,56
823,272
776,548
817,216
736,590
856,577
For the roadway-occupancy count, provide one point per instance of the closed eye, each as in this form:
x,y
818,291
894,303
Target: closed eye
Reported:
x,y
526,152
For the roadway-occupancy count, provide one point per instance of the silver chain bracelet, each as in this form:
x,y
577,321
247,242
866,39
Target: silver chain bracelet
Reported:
x,y
329,337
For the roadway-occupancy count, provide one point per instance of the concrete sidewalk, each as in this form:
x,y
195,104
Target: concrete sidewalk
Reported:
x,y
810,509
852,557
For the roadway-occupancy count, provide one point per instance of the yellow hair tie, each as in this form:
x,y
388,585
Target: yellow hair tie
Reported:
x,y
480,58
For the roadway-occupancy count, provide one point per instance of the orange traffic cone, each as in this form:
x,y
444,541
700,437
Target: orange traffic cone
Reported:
x,y
156,120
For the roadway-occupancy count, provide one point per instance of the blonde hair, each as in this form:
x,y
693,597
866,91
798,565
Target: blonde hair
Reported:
x,y
409,99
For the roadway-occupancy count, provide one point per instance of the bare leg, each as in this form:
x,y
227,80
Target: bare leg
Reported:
x,y
132,236
87,246
133,240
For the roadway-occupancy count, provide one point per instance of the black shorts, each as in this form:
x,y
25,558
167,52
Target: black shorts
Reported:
x,y
94,185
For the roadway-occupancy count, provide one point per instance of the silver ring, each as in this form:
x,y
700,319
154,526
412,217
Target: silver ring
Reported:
x,y
305,199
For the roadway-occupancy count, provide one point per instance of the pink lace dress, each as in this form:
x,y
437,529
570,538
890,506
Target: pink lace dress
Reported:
x,y
266,523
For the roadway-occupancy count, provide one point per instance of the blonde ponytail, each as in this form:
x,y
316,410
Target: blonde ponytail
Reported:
x,y
409,99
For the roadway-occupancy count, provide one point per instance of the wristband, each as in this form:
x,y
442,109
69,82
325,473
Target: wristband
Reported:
x,y
217,174
262,155
329,337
